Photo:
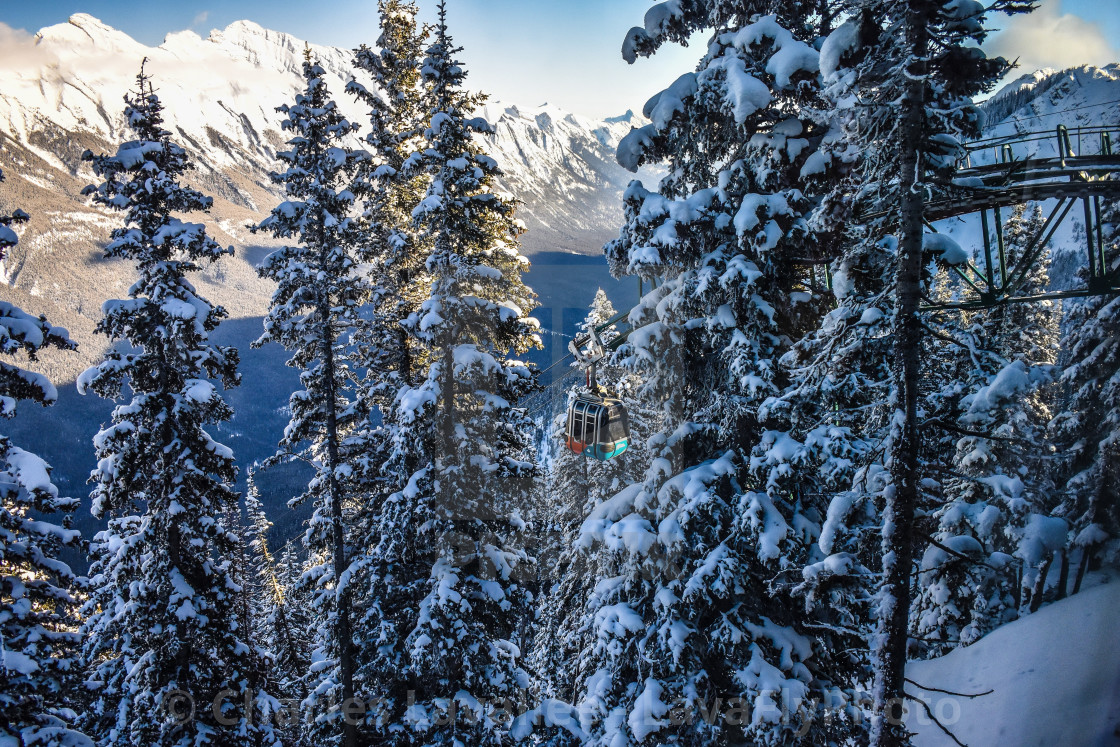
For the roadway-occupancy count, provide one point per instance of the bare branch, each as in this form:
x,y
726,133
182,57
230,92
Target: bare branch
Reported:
x,y
948,692
929,713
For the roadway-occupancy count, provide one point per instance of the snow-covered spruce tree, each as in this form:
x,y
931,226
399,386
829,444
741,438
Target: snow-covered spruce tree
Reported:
x,y
451,580
314,311
905,73
277,627
1087,428
988,410
290,567
38,657
684,616
1003,419
391,185
1016,406
964,587
574,483
162,615
837,409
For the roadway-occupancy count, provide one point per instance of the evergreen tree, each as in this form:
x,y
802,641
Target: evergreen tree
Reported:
x,y
448,574
962,589
992,426
1016,407
574,486
1023,338
277,625
837,407
685,614
392,185
1087,426
902,76
38,645
290,568
314,311
162,618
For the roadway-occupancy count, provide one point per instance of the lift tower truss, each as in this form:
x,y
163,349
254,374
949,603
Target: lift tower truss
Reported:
x,y
1083,170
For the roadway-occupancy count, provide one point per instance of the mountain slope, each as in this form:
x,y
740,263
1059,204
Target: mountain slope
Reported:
x,y
1078,97
220,93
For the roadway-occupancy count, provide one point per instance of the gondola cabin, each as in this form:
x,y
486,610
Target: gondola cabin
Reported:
x,y
598,427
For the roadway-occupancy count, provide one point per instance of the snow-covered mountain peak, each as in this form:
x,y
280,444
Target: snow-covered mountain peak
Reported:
x,y
275,50
220,92
83,30
545,116
1078,96
181,39
627,118
1024,82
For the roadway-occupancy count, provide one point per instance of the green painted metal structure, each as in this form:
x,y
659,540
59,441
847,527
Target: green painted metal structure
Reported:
x,y
1084,169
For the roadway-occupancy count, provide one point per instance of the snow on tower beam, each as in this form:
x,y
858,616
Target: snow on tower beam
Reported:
x,y
1012,279
1113,289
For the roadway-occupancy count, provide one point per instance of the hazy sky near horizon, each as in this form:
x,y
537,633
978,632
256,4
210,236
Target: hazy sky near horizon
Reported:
x,y
564,52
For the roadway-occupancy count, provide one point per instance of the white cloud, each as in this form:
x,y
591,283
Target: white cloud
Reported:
x,y
200,18
18,50
1048,38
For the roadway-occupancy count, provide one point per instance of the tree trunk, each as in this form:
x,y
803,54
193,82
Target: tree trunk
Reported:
x,y
1040,584
342,616
889,649
825,27
406,357
1063,575
1019,589
1082,565
447,427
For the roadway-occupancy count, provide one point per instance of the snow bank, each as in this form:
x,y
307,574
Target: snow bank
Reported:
x,y
1054,677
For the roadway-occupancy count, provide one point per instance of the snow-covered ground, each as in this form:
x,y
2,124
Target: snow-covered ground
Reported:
x,y
1054,678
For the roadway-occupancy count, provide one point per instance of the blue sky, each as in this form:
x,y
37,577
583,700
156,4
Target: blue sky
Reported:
x,y
565,52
